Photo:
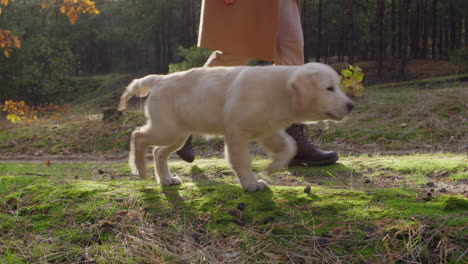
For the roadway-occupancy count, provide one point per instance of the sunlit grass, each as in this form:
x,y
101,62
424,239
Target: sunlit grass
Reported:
x,y
75,212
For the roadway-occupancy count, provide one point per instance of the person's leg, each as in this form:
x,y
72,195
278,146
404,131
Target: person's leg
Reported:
x,y
290,51
290,41
217,58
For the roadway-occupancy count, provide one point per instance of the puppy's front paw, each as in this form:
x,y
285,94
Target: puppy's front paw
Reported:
x,y
171,181
256,186
176,181
142,175
135,172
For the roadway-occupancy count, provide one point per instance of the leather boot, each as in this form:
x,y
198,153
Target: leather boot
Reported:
x,y
186,152
307,153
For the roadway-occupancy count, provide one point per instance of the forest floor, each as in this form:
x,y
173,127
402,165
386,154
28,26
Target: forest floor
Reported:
x,y
398,194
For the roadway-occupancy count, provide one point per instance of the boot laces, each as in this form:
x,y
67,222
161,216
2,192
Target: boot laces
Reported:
x,y
304,136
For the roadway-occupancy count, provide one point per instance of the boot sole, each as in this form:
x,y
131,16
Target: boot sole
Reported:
x,y
189,158
299,162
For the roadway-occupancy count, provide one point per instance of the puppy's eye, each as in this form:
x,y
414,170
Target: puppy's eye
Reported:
x,y
330,89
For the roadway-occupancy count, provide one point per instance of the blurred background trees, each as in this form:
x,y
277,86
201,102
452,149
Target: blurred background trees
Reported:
x,y
147,36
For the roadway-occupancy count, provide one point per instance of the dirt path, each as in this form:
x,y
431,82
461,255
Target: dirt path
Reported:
x,y
122,157
88,158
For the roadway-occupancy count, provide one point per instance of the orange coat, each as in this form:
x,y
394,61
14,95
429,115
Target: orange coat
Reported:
x,y
247,28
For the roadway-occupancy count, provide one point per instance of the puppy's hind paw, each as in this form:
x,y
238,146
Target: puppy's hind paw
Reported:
x,y
171,181
255,187
143,175
135,172
176,181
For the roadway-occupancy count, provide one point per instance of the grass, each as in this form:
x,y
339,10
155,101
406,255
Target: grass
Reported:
x,y
98,213
397,195
419,116
428,82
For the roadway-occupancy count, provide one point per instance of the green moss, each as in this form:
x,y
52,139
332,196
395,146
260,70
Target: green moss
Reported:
x,y
459,176
453,203
73,207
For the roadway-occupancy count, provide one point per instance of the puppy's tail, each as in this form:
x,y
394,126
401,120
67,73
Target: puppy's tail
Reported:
x,y
138,87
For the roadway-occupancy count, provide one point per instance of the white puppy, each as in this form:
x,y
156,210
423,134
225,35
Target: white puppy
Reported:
x,y
242,103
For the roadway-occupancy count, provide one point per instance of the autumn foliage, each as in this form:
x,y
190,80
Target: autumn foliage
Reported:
x,y
351,81
5,3
71,8
7,42
19,111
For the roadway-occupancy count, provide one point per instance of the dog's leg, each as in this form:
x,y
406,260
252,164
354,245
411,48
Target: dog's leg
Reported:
x,y
139,141
162,172
282,149
237,152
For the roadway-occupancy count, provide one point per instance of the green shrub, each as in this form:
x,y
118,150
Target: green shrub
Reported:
x,y
193,57
37,72
351,81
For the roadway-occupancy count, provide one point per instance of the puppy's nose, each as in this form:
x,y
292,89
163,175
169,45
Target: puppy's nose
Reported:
x,y
350,106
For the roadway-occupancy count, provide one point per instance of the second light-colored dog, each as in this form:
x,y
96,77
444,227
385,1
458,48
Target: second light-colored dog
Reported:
x,y
242,103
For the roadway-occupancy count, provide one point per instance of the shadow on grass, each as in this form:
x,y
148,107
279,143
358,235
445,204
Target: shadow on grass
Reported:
x,y
337,173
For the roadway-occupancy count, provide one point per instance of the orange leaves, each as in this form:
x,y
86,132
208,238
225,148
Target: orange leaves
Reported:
x,y
20,111
5,3
17,111
73,8
7,42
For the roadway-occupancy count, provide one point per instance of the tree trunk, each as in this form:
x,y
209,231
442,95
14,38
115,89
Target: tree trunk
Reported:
x,y
453,26
400,27
319,31
425,25
349,35
327,51
404,5
415,30
380,35
193,23
342,44
393,48
434,28
369,51
186,23
466,30
459,32
447,39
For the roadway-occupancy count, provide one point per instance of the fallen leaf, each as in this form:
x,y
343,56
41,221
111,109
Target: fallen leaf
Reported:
x,y
122,213
106,224
306,207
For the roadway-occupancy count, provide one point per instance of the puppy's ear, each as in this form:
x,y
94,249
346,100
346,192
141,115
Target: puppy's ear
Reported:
x,y
302,83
